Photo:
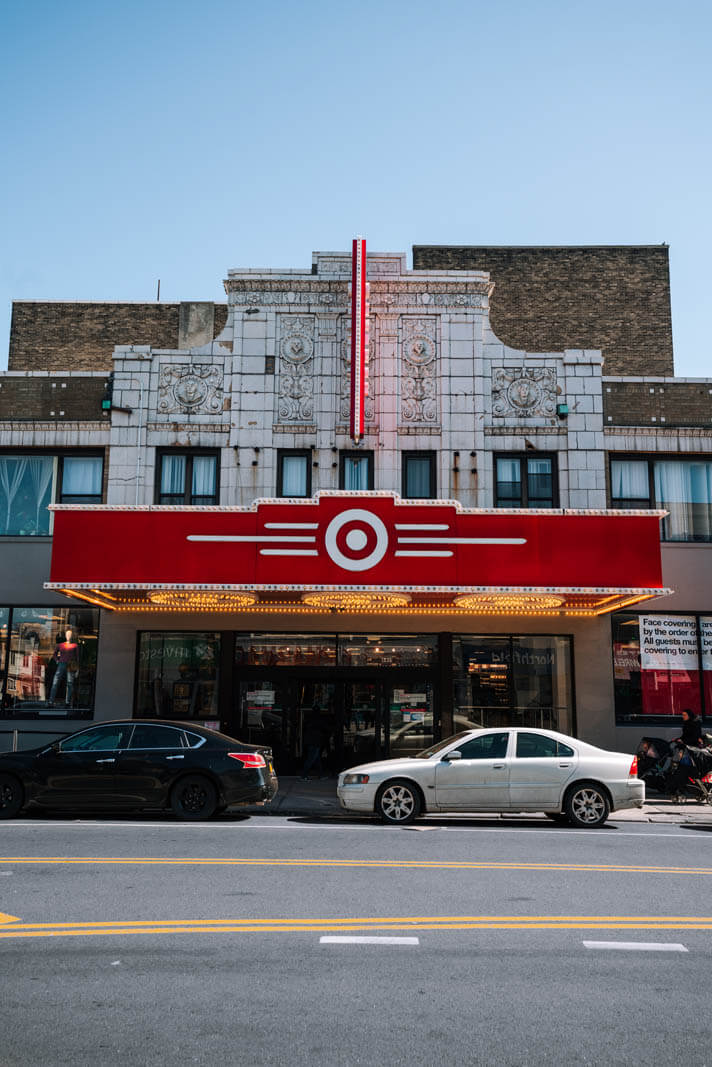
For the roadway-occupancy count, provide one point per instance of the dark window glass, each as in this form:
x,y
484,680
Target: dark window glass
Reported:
x,y
178,675
419,475
100,739
26,488
531,746
486,746
285,650
188,478
525,481
356,470
513,681
294,473
156,737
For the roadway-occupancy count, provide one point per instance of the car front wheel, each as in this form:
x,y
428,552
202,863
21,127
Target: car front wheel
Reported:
x,y
398,802
587,805
194,798
11,796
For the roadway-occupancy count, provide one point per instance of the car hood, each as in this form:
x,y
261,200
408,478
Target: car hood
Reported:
x,y
386,765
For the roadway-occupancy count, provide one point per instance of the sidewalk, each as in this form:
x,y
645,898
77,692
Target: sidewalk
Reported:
x,y
317,798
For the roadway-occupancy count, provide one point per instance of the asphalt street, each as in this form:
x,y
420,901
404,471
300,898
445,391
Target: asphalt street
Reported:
x,y
305,940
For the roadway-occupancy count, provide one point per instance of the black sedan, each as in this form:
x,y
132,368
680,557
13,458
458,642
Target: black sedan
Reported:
x,y
134,764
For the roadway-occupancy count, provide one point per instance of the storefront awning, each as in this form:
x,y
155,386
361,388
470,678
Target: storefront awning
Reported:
x,y
360,552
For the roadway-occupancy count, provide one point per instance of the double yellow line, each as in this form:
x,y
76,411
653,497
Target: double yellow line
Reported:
x,y
312,926
465,865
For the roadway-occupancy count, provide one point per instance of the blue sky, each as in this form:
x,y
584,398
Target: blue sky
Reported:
x,y
147,140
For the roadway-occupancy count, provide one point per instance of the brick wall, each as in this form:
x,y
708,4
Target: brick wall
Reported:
x,y
680,403
547,299
47,399
81,336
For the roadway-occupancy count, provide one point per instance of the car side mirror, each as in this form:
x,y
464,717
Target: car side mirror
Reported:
x,y
455,754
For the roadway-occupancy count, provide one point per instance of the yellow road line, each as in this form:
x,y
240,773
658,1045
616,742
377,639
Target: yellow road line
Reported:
x,y
277,926
627,868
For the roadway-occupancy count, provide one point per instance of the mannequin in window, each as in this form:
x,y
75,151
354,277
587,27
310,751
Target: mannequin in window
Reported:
x,y
66,656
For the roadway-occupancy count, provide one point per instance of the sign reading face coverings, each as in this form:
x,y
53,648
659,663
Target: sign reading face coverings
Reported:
x,y
669,663
668,643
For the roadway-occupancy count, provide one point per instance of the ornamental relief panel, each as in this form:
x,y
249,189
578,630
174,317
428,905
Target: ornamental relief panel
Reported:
x,y
190,389
418,372
369,406
524,392
295,386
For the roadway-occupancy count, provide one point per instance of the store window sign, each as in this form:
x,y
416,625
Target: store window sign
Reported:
x,y
668,643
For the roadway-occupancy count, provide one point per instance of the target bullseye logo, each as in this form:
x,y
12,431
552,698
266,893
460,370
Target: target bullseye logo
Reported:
x,y
347,530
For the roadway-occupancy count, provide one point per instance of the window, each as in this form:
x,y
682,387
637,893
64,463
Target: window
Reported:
x,y
81,480
487,746
187,478
536,746
294,472
525,481
156,737
178,675
656,667
99,739
512,681
682,486
51,668
419,475
28,484
356,470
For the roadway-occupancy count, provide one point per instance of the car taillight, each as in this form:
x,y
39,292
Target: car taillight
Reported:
x,y
249,759
633,772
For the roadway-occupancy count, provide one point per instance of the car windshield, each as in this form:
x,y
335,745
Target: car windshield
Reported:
x,y
428,752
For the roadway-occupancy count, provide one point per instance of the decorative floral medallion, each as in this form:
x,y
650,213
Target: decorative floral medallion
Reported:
x,y
190,389
524,392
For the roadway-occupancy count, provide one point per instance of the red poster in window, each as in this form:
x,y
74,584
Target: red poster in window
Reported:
x,y
670,666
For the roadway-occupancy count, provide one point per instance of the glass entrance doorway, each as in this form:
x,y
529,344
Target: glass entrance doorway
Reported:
x,y
317,727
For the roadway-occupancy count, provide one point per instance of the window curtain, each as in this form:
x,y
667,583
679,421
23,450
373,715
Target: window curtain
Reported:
x,y
41,470
294,476
418,476
81,476
684,489
12,471
509,481
356,472
629,479
203,476
173,475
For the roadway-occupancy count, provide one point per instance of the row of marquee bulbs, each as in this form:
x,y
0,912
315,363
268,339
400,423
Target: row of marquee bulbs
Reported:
x,y
195,598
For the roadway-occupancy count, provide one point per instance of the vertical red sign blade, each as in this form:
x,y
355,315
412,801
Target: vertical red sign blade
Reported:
x,y
359,336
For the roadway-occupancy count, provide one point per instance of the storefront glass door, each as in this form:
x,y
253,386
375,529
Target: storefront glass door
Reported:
x,y
316,728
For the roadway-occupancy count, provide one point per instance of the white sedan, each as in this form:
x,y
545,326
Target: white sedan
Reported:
x,y
498,770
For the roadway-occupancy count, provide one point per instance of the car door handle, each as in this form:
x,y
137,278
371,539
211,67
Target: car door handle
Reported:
x,y
564,764
175,757
112,760
497,766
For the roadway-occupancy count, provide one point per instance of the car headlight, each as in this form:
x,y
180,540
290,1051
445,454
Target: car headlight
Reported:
x,y
355,779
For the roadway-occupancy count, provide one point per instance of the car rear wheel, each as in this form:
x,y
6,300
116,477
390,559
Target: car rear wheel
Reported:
x,y
11,796
194,798
398,802
587,805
